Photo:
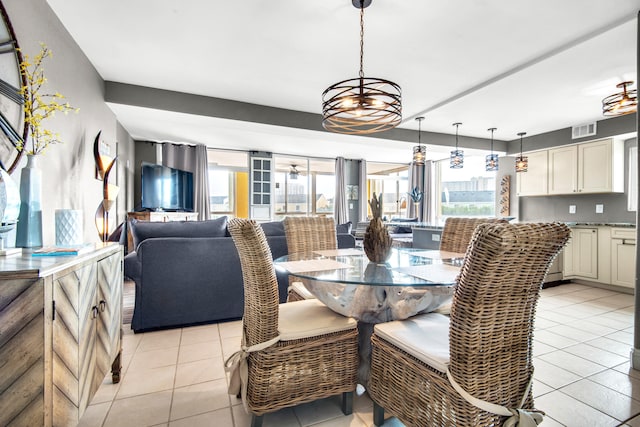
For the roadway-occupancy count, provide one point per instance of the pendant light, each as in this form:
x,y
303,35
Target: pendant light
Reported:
x,y
522,162
293,172
457,156
491,161
419,151
619,104
361,105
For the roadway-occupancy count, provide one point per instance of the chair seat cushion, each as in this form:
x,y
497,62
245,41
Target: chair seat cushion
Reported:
x,y
310,318
300,289
425,337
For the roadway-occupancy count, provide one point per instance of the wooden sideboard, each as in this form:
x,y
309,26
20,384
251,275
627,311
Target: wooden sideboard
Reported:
x,y
60,333
157,217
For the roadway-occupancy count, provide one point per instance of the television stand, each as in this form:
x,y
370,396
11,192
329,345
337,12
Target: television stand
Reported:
x,y
157,216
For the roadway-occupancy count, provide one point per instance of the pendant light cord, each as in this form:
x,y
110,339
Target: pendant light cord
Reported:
x,y
492,130
361,38
521,134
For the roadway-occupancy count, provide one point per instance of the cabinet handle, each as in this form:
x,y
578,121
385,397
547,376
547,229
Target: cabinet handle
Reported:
x,y
628,242
102,304
94,312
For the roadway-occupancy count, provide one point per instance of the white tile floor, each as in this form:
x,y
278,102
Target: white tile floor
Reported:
x,y
582,342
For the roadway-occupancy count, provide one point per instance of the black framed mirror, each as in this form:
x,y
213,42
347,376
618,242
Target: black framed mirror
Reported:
x,y
13,129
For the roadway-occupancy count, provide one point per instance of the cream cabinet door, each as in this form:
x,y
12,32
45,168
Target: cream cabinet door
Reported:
x,y
563,170
623,257
534,181
581,254
623,262
601,167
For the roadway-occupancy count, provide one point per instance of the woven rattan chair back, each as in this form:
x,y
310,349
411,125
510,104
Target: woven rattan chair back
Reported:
x,y
312,233
494,305
457,232
260,320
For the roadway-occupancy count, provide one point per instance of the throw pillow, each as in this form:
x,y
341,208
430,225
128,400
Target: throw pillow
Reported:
x,y
344,228
141,230
275,228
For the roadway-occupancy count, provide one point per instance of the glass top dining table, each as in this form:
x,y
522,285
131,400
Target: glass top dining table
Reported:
x,y
412,281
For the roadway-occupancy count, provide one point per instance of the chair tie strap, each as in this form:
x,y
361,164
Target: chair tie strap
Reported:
x,y
518,417
237,365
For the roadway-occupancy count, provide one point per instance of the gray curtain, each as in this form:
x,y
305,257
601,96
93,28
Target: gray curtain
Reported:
x,y
421,177
193,159
340,205
363,201
428,198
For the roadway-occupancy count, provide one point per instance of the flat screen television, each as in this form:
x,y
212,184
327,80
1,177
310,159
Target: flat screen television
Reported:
x,y
165,188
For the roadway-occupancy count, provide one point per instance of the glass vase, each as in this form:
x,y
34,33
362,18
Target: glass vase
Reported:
x,y
29,232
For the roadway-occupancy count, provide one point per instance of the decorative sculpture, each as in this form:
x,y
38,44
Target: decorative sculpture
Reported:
x,y
109,191
377,242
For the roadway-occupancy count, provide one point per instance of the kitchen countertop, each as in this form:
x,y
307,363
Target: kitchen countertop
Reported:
x,y
440,226
601,224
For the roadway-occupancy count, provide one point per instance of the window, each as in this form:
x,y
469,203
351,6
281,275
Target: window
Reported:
x,y
221,190
310,192
470,191
228,183
392,181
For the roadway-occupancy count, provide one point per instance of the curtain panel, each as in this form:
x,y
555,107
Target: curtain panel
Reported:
x,y
363,201
340,204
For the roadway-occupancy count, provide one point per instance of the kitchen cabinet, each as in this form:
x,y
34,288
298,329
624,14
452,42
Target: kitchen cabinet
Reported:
x,y
623,257
581,254
590,167
534,181
60,333
563,170
601,167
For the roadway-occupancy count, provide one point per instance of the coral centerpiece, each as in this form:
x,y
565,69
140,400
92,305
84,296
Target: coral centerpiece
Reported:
x,y
377,242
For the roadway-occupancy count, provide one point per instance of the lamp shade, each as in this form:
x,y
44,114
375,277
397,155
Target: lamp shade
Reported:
x,y
491,162
522,163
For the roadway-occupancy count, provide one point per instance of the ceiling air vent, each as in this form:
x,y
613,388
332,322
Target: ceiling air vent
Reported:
x,y
581,131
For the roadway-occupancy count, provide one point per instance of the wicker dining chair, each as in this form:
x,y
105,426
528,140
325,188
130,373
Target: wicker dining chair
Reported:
x,y
486,343
457,232
291,353
306,234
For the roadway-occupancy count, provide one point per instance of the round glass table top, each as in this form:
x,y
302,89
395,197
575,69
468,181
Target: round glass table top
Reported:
x,y
405,267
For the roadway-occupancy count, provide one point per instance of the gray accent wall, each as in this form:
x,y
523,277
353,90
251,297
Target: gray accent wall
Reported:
x,y
556,208
68,169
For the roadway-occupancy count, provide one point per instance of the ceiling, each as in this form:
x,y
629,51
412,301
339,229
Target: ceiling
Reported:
x,y
532,66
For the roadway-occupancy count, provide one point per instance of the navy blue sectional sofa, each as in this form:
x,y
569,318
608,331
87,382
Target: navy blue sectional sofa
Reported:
x,y
189,273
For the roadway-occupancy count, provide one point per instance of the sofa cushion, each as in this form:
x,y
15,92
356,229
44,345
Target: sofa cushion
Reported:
x,y
344,228
275,228
141,230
